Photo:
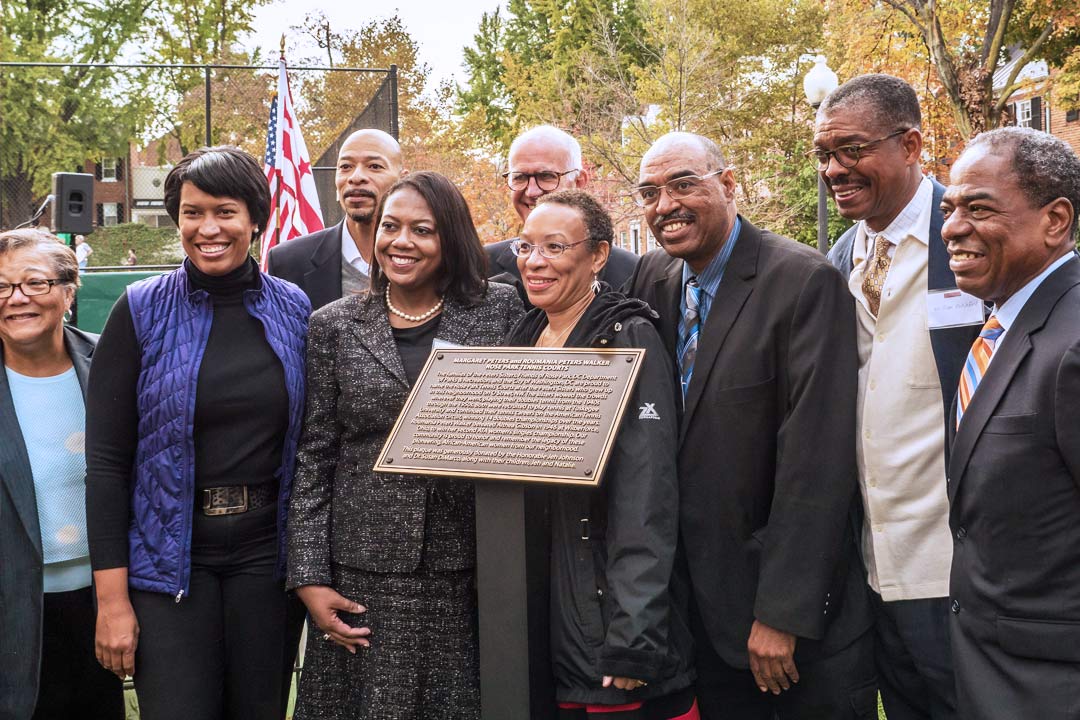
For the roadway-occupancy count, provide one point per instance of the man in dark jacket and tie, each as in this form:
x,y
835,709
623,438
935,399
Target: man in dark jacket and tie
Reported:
x,y
1014,465
762,334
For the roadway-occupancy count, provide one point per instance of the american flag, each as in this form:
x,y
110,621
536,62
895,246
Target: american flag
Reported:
x,y
294,202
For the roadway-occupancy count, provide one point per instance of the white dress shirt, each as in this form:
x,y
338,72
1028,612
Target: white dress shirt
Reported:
x,y
350,253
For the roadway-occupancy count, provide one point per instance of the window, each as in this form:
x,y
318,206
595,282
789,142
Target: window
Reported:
x,y
108,169
635,237
622,239
1023,113
110,213
650,241
1072,116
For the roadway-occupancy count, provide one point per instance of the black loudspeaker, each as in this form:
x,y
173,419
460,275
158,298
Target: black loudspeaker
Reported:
x,y
73,203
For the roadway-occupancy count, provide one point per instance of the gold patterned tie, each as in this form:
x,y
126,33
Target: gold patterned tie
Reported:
x,y
877,269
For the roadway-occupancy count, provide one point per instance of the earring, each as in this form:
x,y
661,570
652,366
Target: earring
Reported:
x,y
595,285
67,316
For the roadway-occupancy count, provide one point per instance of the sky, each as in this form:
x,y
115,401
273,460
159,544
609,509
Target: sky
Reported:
x,y
440,27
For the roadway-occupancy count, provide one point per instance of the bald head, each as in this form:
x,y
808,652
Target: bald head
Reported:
x,y
679,142
691,197
369,162
543,149
377,140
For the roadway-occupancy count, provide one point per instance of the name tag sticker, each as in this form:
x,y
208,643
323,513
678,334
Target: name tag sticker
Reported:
x,y
952,308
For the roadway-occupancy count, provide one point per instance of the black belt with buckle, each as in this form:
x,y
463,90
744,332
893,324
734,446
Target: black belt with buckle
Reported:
x,y
234,499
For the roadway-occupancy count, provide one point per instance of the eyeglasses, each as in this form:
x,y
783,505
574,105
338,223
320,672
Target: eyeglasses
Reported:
x,y
677,189
547,180
847,156
549,249
29,288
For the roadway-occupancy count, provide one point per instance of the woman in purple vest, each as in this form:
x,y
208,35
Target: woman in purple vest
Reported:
x,y
193,416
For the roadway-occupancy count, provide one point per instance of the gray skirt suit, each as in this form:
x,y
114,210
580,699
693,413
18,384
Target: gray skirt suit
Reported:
x,y
403,546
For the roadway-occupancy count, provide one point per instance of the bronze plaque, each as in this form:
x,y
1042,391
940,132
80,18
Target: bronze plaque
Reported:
x,y
533,414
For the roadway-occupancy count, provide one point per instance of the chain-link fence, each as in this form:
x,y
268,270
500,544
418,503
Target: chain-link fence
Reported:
x,y
128,124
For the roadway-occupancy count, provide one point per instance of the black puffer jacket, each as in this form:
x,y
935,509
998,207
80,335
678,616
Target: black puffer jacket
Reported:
x,y
615,607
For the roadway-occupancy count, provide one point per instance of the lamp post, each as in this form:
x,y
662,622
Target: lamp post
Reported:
x,y
817,84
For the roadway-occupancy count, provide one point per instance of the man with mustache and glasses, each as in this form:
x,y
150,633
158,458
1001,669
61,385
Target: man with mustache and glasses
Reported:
x,y
914,329
542,160
763,336
335,262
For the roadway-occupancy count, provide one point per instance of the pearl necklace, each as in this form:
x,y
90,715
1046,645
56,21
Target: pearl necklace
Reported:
x,y
411,318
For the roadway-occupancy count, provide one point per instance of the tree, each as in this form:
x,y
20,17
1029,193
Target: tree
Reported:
x,y
52,119
202,32
486,102
377,44
969,42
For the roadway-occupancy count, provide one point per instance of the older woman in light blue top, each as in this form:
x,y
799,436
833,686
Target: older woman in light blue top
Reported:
x,y
47,663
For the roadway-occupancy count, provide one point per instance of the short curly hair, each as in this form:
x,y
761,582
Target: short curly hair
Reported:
x,y
1046,167
598,227
893,101
61,257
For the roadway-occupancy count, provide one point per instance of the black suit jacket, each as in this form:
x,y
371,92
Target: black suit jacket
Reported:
x,y
21,559
950,345
766,449
501,259
312,262
1014,494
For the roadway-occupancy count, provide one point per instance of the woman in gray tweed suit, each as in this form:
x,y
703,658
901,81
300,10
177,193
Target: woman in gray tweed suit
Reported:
x,y
385,563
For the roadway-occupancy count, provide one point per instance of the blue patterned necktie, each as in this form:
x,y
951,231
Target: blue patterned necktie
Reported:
x,y
689,329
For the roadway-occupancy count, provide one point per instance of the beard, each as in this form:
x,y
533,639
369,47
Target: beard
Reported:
x,y
363,216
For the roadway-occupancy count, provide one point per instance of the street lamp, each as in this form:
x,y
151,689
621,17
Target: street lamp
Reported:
x,y
817,84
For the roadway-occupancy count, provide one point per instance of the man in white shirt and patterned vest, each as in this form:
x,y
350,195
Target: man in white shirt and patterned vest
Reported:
x,y
914,331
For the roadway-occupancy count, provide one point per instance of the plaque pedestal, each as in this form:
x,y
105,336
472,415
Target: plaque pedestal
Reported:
x,y
512,570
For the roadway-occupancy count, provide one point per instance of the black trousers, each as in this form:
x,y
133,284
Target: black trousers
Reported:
x,y
914,663
842,686
218,653
73,684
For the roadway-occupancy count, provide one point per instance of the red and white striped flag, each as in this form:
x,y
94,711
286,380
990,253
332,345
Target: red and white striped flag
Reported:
x,y
294,202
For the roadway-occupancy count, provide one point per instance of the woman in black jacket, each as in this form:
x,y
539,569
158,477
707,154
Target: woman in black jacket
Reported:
x,y
619,643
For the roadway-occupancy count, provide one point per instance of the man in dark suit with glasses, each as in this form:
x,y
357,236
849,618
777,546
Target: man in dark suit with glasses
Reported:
x,y
763,338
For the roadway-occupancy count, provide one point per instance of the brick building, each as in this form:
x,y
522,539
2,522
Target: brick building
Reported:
x,y
1034,105
112,189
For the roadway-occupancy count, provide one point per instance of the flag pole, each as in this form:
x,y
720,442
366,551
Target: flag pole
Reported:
x,y
277,188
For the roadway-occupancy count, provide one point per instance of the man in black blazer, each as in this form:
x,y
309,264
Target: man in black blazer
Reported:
x,y
1014,468
334,262
867,149
766,457
542,160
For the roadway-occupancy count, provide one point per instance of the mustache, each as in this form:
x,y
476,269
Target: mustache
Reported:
x,y
679,215
360,192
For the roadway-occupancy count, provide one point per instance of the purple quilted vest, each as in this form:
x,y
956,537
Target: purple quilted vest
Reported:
x,y
172,325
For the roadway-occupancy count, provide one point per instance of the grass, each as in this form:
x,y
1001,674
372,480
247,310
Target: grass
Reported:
x,y
153,246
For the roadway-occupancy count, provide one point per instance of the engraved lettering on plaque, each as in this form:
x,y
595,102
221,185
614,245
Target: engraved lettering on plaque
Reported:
x,y
513,413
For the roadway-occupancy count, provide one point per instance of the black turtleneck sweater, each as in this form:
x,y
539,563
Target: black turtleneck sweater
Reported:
x,y
241,408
